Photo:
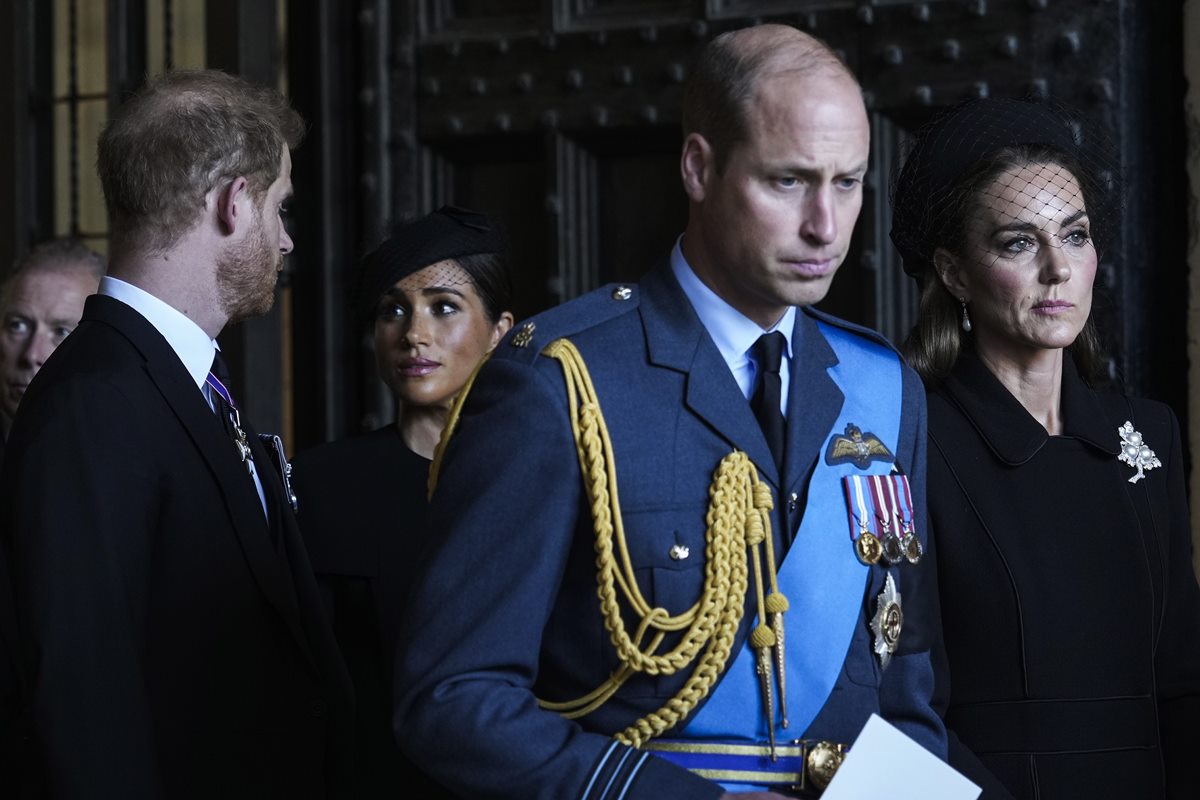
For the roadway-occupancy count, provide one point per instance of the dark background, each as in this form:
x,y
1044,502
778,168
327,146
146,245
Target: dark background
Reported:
x,y
560,119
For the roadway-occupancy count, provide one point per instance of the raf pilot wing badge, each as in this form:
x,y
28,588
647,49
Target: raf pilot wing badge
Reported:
x,y
857,448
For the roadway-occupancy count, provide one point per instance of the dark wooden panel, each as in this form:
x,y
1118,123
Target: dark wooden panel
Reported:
x,y
642,206
595,14
447,19
590,89
508,182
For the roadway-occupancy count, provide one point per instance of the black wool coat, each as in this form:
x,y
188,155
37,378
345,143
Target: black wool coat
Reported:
x,y
1070,610
362,515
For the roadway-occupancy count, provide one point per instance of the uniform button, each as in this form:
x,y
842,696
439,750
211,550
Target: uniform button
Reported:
x,y
792,498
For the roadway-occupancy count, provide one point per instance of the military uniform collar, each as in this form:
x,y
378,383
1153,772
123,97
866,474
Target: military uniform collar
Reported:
x,y
1009,430
732,331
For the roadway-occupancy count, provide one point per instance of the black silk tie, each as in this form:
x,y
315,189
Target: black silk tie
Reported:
x,y
765,402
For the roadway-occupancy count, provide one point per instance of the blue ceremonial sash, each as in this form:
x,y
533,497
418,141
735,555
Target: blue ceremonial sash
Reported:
x,y
823,579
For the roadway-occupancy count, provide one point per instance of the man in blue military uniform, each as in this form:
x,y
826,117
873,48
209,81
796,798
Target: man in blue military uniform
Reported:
x,y
674,529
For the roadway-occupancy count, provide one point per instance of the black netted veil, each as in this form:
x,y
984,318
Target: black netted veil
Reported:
x,y
926,198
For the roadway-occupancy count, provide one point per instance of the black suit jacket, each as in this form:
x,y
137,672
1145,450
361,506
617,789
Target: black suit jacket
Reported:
x,y
171,649
13,729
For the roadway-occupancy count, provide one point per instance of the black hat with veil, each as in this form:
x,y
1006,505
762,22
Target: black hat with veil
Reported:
x,y
989,180
448,234
947,162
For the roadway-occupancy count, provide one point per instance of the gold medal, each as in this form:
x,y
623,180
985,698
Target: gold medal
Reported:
x,y
868,548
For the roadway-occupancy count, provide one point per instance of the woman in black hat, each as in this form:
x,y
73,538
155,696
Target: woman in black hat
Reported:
x,y
437,292
1070,612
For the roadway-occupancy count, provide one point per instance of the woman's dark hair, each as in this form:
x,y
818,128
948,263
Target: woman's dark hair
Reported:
x,y
489,273
935,343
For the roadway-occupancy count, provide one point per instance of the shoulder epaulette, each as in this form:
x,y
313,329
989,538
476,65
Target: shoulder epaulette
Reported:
x,y
527,338
866,333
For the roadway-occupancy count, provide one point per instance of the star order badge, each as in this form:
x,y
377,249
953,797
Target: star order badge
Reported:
x,y
887,622
857,448
1135,453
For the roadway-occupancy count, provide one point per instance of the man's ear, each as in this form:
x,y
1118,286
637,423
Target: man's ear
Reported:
x,y
949,269
697,165
233,204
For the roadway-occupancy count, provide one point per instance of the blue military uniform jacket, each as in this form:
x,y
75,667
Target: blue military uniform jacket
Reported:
x,y
506,611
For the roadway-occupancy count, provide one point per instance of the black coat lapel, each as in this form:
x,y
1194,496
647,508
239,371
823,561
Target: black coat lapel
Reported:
x,y
677,340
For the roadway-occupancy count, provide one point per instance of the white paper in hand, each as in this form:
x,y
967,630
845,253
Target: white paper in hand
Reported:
x,y
883,762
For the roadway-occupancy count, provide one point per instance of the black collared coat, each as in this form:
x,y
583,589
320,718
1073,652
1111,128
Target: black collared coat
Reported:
x,y
1071,615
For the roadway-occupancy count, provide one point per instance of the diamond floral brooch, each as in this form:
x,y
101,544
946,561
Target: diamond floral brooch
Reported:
x,y
1135,453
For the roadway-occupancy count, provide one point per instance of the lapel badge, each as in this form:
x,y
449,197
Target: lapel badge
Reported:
x,y
524,336
887,622
1135,453
857,448
622,293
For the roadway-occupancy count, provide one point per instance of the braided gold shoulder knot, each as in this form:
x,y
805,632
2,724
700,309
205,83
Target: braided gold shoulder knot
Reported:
x,y
738,530
738,522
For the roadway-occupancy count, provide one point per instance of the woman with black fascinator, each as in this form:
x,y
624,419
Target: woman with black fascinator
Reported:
x,y
1071,615
436,293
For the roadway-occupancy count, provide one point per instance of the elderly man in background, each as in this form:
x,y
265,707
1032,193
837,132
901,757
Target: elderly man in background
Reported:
x,y
40,304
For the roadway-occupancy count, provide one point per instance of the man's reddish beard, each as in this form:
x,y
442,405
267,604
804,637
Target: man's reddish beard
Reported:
x,y
246,276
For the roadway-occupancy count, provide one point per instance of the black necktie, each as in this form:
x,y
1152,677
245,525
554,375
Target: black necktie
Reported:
x,y
765,402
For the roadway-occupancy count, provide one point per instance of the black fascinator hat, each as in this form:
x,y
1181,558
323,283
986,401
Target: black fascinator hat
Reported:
x,y
450,232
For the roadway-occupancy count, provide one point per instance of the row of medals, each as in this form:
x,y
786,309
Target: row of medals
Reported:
x,y
892,548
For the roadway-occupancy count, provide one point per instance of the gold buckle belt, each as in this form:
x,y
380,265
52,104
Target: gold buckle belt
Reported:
x,y
802,765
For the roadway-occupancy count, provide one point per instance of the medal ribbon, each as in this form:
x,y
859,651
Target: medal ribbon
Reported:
x,y
903,522
881,504
214,383
905,497
854,499
863,518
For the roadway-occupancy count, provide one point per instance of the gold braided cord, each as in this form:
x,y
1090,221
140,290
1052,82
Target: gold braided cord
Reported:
x,y
738,524
737,521
456,407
